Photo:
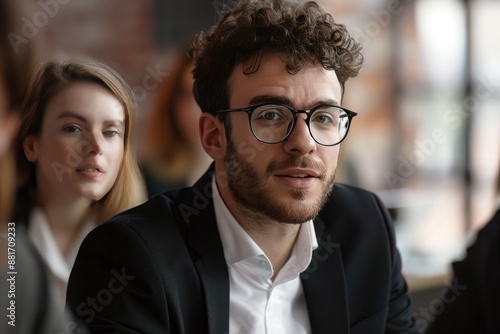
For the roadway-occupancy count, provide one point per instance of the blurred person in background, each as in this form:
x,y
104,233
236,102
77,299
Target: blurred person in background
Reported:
x,y
28,299
472,303
170,154
14,69
75,157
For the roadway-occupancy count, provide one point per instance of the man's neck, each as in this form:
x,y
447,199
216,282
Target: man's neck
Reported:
x,y
275,239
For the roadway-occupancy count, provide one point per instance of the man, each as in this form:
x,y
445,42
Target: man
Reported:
x,y
263,242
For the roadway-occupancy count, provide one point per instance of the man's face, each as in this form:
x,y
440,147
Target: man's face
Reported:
x,y
287,182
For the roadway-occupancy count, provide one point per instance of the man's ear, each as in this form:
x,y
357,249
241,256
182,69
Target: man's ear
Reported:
x,y
213,136
30,147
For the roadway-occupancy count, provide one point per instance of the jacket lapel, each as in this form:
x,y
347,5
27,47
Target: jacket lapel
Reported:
x,y
206,250
325,288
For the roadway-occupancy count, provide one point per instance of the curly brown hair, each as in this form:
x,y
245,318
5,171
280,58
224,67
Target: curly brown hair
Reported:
x,y
303,31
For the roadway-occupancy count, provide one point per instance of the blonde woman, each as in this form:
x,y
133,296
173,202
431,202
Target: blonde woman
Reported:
x,y
76,157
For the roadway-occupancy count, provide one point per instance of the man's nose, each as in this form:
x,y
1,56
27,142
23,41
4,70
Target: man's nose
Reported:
x,y
300,141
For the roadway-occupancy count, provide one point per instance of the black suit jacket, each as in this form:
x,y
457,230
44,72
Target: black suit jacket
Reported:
x,y
160,268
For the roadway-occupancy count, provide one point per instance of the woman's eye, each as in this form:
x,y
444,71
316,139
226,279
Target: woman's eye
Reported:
x,y
110,133
71,129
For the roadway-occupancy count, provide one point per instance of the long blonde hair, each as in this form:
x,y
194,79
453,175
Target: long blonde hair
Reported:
x,y
47,80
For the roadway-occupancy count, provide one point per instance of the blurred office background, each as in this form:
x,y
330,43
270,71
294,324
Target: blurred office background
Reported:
x,y
427,137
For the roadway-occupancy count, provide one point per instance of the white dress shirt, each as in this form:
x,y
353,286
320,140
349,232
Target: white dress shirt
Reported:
x,y
59,266
257,304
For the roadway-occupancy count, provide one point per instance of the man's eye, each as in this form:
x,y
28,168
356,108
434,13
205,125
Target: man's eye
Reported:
x,y
323,118
269,115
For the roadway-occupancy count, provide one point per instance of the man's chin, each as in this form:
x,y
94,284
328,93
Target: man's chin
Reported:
x,y
293,211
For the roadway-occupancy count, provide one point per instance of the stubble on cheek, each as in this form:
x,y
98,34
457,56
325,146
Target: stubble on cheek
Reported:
x,y
252,191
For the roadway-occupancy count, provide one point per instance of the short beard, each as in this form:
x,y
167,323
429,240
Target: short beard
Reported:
x,y
257,202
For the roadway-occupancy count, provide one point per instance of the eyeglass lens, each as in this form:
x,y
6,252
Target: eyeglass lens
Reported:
x,y
328,125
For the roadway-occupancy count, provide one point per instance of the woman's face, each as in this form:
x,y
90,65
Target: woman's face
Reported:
x,y
80,147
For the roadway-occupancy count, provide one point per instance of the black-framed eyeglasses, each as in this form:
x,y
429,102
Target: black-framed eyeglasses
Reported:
x,y
273,123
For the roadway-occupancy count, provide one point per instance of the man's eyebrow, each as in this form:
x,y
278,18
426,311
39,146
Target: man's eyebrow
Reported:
x,y
284,100
328,102
269,99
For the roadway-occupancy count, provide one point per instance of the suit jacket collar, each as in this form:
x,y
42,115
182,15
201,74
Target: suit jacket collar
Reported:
x,y
324,286
206,250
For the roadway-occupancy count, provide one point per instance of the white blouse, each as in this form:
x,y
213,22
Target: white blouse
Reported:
x,y
59,266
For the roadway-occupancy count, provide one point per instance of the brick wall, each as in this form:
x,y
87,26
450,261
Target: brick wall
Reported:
x,y
117,32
